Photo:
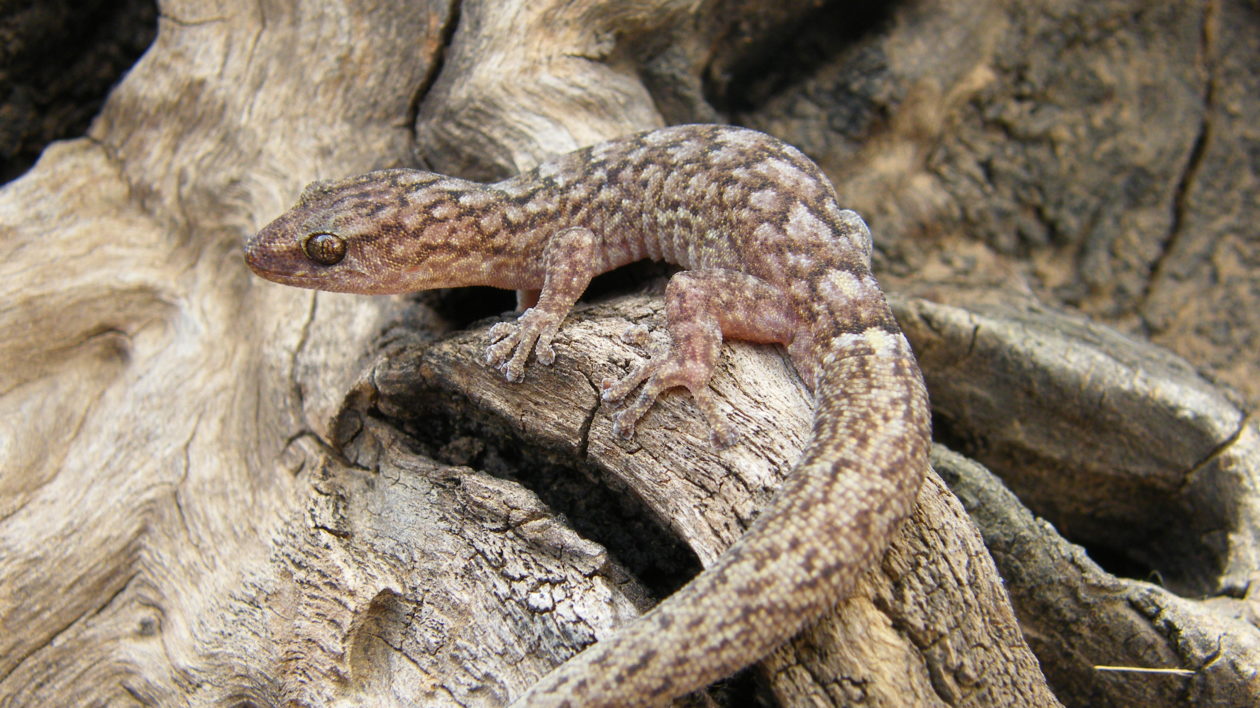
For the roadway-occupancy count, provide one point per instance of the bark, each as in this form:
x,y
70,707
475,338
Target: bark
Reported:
x,y
215,489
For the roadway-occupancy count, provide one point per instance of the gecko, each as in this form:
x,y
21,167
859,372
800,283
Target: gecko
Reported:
x,y
768,255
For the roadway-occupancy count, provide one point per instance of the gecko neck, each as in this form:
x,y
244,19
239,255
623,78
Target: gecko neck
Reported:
x,y
467,234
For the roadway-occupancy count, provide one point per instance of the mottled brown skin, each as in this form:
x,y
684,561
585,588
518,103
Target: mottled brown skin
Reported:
x,y
771,257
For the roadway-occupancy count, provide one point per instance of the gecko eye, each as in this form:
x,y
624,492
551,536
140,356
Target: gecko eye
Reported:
x,y
325,248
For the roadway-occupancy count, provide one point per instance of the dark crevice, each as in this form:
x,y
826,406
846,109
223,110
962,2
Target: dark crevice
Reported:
x,y
449,27
774,62
453,431
584,432
298,351
193,22
1215,453
461,307
59,59
1180,558
1194,163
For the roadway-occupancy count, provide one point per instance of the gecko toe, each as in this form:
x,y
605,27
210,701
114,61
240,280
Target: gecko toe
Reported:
x,y
497,355
622,428
545,354
723,436
638,335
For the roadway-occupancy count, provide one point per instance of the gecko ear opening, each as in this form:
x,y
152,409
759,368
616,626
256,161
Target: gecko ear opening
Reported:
x,y
315,190
324,248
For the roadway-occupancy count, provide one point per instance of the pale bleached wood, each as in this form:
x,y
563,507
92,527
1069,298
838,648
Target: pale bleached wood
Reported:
x,y
525,80
151,383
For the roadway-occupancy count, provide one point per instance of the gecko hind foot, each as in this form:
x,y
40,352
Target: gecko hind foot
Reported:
x,y
657,375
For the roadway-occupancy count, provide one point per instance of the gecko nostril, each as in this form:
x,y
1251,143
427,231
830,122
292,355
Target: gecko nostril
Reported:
x,y
325,248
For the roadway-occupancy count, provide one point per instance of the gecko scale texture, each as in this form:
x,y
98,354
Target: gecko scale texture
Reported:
x,y
770,257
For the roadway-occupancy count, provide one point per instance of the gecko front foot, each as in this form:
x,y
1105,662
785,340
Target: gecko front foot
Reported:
x,y
656,375
511,343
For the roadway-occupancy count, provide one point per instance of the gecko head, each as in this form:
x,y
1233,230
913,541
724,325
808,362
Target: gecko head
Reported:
x,y
347,235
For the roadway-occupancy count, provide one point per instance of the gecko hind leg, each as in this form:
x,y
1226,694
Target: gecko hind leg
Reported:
x,y
701,307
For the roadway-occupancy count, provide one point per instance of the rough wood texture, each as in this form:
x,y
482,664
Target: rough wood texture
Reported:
x,y
214,489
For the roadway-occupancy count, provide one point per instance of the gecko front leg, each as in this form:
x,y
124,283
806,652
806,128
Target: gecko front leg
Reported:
x,y
702,306
570,260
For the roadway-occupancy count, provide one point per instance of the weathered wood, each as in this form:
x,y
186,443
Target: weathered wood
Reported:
x,y
214,489
1107,436
150,384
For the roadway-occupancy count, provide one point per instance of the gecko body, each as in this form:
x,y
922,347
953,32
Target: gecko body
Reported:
x,y
769,256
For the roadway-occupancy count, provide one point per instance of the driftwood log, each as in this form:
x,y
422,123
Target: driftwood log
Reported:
x,y
214,489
